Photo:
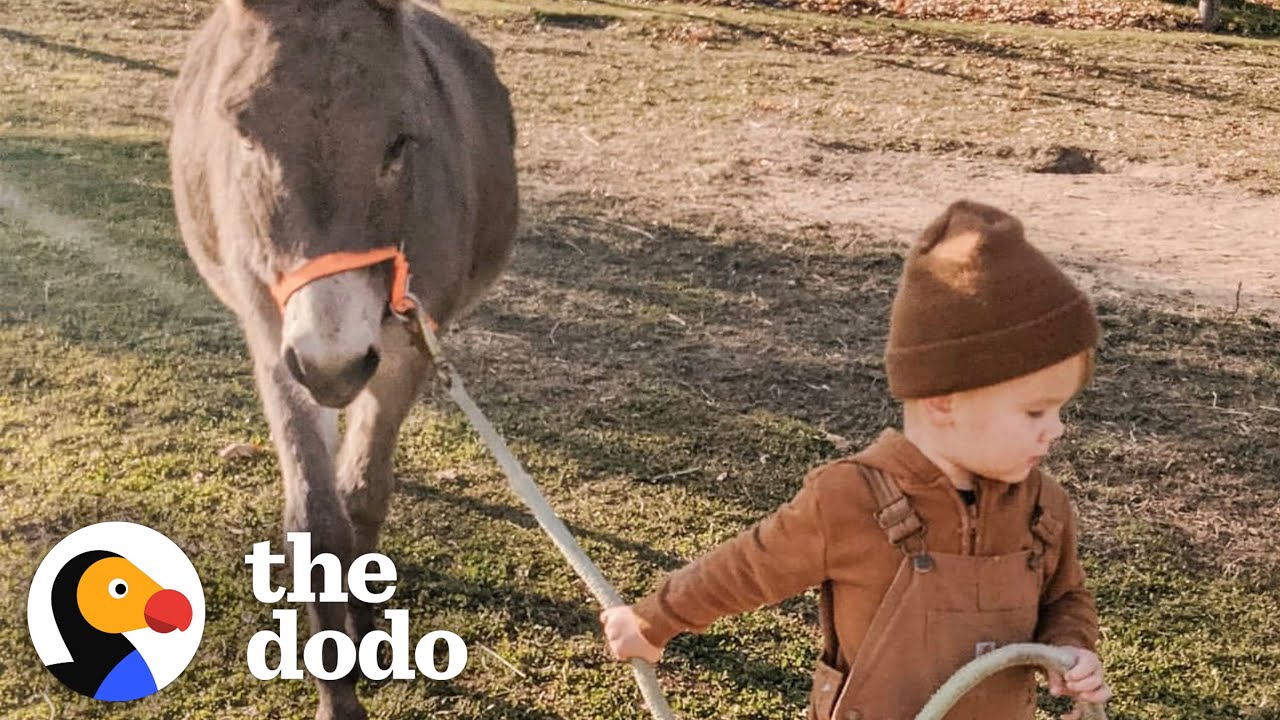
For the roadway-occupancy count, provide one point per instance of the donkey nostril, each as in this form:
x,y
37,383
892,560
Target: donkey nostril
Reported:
x,y
370,363
291,361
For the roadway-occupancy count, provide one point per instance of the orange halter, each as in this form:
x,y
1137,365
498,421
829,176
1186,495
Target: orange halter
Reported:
x,y
334,263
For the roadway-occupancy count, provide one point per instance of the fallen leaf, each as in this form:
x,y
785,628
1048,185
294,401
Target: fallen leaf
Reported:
x,y
236,451
841,443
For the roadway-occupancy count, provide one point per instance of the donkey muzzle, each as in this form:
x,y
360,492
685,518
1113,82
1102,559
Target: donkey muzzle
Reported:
x,y
333,385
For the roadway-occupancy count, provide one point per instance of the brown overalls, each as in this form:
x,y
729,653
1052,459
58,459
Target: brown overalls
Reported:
x,y
941,611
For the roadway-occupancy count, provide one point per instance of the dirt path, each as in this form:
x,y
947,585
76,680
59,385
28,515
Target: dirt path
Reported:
x,y
1171,230
1144,227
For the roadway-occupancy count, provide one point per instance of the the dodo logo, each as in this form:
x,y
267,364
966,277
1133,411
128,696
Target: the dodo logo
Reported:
x,y
116,611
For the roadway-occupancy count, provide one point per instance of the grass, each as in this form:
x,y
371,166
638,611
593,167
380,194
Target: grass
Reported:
x,y
120,376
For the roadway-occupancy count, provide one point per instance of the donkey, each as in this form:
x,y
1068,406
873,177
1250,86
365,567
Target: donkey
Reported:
x,y
318,147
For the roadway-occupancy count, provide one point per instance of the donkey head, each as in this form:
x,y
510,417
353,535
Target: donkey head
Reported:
x,y
321,162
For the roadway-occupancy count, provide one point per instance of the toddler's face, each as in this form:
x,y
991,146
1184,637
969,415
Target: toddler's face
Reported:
x,y
1003,431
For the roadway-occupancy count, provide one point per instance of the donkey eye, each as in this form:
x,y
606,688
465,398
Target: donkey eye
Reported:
x,y
395,151
248,143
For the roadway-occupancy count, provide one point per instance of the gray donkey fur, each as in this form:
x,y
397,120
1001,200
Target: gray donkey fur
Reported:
x,y
304,127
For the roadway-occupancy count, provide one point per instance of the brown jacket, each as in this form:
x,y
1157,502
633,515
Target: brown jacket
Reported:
x,y
828,532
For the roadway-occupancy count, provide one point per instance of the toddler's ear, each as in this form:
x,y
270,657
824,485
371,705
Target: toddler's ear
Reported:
x,y
940,409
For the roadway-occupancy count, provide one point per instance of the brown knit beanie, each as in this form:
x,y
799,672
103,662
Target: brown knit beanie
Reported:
x,y
978,305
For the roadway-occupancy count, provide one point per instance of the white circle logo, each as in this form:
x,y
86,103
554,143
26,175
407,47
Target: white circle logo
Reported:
x,y
116,611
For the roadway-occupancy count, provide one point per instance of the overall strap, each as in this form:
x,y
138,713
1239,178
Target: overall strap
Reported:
x,y
895,516
904,530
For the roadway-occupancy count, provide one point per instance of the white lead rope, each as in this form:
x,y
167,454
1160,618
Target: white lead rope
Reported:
x,y
988,664
525,488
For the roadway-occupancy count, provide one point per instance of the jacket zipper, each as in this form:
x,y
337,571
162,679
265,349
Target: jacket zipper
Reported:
x,y
971,520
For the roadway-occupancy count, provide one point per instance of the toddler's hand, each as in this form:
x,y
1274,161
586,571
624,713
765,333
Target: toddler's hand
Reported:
x,y
1084,681
622,633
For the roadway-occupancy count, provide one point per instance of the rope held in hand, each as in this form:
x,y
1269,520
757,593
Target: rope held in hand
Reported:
x,y
986,665
525,488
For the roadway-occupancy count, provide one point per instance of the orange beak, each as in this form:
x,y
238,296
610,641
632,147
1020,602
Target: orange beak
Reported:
x,y
168,610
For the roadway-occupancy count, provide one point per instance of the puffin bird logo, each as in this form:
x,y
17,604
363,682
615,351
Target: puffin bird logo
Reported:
x,y
104,626
97,597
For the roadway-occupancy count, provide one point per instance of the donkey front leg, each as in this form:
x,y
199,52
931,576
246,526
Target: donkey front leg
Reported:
x,y
304,436
365,473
